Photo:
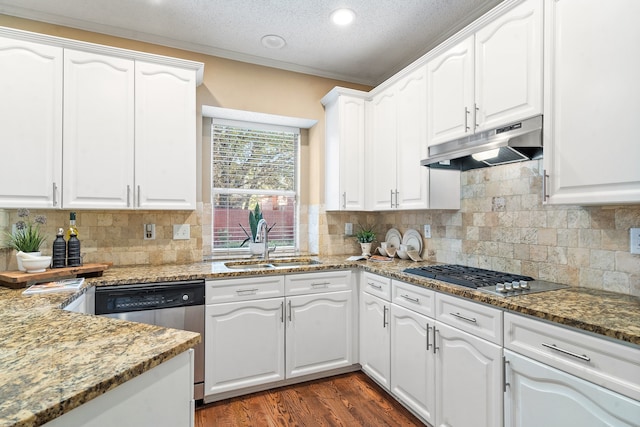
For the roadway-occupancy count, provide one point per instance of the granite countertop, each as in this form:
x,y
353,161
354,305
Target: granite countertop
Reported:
x,y
52,361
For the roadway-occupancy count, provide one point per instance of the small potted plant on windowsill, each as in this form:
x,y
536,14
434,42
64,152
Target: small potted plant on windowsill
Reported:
x,y
365,236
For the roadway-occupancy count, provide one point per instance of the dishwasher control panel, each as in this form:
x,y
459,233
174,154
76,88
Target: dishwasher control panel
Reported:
x,y
148,296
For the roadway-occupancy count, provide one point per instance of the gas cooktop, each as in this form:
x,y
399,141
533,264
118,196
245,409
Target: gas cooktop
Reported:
x,y
493,282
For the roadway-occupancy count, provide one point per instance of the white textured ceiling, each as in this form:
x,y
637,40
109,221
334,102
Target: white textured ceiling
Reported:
x,y
386,36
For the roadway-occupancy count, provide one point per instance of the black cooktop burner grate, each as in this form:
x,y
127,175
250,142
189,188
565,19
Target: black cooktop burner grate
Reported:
x,y
470,277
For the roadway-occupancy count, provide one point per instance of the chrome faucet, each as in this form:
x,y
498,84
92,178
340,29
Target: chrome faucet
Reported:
x,y
263,237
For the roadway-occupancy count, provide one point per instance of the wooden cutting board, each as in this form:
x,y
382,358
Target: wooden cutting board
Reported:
x,y
19,279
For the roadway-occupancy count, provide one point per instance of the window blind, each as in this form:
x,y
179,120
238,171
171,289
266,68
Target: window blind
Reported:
x,y
253,163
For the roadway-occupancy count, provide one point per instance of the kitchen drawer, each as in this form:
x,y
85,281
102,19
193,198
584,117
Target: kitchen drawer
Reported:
x,y
477,319
379,286
313,283
413,297
606,363
246,288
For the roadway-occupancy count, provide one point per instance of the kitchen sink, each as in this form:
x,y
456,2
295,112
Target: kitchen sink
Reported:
x,y
276,263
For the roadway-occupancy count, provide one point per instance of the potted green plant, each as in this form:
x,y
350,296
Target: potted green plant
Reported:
x,y
365,236
27,237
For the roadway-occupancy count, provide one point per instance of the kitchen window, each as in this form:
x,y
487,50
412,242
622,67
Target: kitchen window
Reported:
x,y
253,163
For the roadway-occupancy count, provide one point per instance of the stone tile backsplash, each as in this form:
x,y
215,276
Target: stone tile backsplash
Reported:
x,y
502,225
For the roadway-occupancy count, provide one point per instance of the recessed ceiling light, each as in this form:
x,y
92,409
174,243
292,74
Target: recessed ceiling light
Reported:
x,y
342,16
273,41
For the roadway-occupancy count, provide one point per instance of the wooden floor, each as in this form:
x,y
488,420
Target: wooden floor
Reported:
x,y
344,400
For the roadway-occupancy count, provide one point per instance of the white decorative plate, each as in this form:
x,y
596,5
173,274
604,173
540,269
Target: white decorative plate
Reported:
x,y
393,238
414,239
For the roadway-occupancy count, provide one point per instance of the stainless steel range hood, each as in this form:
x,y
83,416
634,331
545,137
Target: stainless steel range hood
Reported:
x,y
511,143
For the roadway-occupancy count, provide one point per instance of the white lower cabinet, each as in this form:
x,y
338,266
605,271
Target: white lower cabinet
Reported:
x,y
558,376
244,345
413,361
259,341
375,338
539,395
319,334
448,376
468,379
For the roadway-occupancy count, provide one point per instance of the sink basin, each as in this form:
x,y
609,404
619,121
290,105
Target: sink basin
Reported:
x,y
294,263
239,265
276,263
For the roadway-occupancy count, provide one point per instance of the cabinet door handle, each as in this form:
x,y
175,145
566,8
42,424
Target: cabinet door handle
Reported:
x,y
567,352
505,384
466,119
344,200
408,298
475,116
468,319
545,178
128,196
55,195
246,291
282,312
434,340
391,198
428,330
384,317
289,311
373,285
397,193
138,196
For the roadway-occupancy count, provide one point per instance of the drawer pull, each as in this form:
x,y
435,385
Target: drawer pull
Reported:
x,y
408,298
373,285
321,284
247,291
567,352
468,319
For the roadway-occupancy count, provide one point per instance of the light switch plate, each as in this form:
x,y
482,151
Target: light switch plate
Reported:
x,y
181,232
635,241
348,229
427,231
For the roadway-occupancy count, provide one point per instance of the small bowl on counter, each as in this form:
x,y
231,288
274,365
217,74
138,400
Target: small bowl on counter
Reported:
x,y
36,264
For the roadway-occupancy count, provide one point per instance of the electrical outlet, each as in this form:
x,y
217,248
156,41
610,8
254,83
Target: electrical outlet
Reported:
x,y
427,231
149,231
181,232
635,241
348,229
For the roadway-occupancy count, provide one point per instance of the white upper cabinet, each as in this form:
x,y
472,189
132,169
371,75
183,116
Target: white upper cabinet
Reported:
x,y
591,102
490,78
381,150
104,128
508,57
98,131
30,124
450,93
397,143
344,150
165,137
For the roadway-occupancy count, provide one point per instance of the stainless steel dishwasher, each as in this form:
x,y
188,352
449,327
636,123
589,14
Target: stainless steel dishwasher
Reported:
x,y
177,305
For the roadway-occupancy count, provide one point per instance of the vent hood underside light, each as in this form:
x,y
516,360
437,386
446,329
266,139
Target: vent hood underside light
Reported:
x,y
513,143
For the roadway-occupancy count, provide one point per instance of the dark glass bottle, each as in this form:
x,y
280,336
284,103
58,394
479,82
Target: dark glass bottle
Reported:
x,y
59,257
73,250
